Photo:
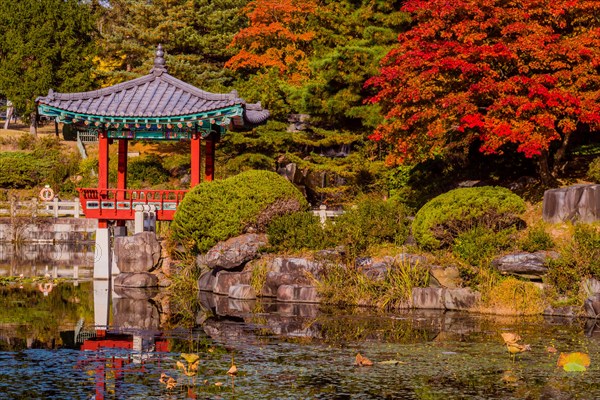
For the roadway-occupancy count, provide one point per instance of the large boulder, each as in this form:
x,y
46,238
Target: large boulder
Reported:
x,y
429,298
592,306
295,266
136,280
573,203
138,253
298,294
446,277
461,299
235,252
276,279
242,292
225,279
528,265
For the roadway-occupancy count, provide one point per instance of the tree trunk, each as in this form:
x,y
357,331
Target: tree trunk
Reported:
x,y
560,155
9,114
544,169
33,126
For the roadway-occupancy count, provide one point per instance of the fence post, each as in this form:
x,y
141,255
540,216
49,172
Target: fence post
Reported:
x,y
76,212
13,206
55,205
323,214
34,207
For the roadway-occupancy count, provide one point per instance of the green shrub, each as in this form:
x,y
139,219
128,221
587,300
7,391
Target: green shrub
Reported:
x,y
26,141
146,171
479,245
536,239
297,231
594,170
371,221
443,218
579,259
218,210
249,161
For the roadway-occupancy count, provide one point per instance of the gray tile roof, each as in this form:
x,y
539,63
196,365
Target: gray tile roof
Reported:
x,y
157,94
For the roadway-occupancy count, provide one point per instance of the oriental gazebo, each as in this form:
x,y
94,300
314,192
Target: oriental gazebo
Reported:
x,y
154,107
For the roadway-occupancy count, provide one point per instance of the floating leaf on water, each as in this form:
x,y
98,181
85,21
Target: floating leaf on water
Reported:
x,y
190,357
194,366
181,365
162,378
576,361
171,383
218,383
232,370
551,349
362,361
574,367
515,348
390,362
510,337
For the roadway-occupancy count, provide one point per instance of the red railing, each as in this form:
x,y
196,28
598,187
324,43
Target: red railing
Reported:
x,y
119,204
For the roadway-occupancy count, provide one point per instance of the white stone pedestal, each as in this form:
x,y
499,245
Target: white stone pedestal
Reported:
x,y
103,254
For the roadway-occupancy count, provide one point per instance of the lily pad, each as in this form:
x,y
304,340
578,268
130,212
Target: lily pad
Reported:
x,y
574,367
574,361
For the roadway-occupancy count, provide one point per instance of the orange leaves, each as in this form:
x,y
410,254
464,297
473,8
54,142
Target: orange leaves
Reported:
x,y
574,362
361,361
276,37
520,73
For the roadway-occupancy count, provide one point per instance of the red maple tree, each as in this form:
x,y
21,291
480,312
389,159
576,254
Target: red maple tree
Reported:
x,y
277,37
494,72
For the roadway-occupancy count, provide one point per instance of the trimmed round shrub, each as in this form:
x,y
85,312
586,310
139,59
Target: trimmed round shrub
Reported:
x,y
445,217
594,170
297,231
218,210
371,221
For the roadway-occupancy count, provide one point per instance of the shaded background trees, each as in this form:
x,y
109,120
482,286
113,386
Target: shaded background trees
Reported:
x,y
43,45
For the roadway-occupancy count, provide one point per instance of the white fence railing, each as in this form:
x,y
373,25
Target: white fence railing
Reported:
x,y
323,213
36,208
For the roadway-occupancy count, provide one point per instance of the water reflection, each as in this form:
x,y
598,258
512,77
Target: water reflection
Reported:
x,y
93,341
71,260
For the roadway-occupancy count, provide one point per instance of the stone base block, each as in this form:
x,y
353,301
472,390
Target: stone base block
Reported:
x,y
224,280
297,294
242,292
142,279
429,298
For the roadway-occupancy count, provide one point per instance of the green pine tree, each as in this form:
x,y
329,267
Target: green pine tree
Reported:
x,y
194,33
44,44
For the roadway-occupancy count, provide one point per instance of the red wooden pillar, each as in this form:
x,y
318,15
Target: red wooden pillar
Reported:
x,y
122,174
196,160
102,170
209,168
122,169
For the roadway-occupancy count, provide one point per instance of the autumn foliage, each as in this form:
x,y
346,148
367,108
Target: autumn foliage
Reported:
x,y
277,37
490,72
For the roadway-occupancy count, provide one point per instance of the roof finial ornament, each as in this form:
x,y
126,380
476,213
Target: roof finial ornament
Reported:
x,y
159,61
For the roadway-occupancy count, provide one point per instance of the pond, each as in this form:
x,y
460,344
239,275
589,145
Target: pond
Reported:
x,y
67,260
89,341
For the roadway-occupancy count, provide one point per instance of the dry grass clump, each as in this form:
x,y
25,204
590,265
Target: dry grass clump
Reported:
x,y
511,296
